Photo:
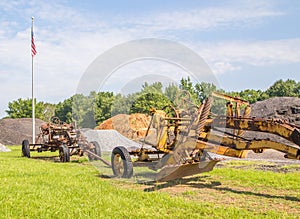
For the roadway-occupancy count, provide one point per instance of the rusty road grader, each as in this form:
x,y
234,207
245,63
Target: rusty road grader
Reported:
x,y
56,135
186,140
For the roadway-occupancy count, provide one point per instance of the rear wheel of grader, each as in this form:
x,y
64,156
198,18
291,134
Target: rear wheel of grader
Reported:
x,y
96,150
121,162
64,153
25,148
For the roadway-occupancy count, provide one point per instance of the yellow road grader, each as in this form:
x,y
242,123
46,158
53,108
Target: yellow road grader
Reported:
x,y
185,141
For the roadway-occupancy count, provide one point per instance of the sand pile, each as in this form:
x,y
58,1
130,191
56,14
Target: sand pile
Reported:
x,y
132,126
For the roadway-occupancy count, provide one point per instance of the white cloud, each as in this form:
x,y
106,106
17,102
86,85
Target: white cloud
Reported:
x,y
223,67
68,40
229,56
141,71
8,5
231,14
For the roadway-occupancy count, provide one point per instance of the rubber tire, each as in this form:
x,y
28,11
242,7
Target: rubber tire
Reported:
x,y
118,153
64,154
96,150
25,148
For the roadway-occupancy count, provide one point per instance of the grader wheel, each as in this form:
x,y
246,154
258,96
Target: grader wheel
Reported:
x,y
25,149
64,153
121,162
96,150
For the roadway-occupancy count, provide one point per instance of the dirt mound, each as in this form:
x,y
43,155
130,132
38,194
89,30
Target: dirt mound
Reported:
x,y
132,126
285,108
14,131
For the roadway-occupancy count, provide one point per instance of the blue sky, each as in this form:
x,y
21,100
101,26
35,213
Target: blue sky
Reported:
x,y
247,44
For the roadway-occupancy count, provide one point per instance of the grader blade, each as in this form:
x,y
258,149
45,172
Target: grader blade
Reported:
x,y
176,172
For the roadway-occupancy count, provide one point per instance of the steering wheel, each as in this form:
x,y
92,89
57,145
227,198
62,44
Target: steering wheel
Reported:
x,y
55,120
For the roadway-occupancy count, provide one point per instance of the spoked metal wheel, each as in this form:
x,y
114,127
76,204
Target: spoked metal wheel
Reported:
x,y
96,150
25,148
121,162
64,153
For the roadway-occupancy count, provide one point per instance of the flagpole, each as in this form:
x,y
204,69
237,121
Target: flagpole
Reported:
x,y
32,88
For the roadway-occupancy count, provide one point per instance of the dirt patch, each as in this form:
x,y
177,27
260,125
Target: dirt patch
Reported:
x,y
14,131
212,189
267,154
275,165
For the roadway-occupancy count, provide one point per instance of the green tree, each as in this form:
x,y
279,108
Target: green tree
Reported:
x,y
204,89
79,109
187,85
22,108
122,104
49,111
152,88
83,110
252,95
103,106
280,88
145,101
171,92
150,96
64,110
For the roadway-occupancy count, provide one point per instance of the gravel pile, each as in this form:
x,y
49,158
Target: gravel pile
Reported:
x,y
14,131
109,139
286,108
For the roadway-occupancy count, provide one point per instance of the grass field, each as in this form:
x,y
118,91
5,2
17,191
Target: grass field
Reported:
x,y
41,188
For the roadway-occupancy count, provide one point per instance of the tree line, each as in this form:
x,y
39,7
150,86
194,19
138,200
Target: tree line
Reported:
x,y
90,110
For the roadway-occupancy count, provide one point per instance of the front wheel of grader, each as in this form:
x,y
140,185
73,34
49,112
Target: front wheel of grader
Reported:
x,y
64,153
121,162
25,148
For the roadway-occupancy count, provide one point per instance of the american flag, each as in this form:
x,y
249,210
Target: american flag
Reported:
x,y
33,49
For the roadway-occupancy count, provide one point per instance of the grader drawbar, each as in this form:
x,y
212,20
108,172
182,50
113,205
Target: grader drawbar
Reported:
x,y
188,142
65,138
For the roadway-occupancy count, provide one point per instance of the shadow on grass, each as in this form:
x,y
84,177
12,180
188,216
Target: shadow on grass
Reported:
x,y
46,158
104,176
185,181
289,198
200,183
53,158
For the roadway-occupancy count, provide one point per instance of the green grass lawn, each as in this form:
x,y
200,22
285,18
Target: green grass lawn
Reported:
x,y
41,188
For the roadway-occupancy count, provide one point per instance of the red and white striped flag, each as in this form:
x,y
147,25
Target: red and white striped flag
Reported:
x,y
33,49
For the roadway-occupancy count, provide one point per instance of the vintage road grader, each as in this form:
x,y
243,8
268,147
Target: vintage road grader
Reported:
x,y
56,135
183,142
